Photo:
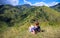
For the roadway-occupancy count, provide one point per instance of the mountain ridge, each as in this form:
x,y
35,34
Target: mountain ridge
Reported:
x,y
56,7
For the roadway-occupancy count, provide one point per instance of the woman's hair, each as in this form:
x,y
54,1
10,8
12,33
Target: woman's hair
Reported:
x,y
36,22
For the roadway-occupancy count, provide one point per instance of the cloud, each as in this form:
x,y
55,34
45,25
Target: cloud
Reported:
x,y
52,3
26,2
12,2
41,3
35,4
16,2
45,4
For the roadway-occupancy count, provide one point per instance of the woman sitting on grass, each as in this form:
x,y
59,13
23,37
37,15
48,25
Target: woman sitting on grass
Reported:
x,y
35,27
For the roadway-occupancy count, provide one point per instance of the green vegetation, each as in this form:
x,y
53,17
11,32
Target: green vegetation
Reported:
x,y
14,21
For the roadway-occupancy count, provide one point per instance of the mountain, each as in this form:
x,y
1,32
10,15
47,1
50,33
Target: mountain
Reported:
x,y
15,21
24,5
14,16
56,7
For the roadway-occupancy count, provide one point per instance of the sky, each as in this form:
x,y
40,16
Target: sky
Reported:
x,y
31,2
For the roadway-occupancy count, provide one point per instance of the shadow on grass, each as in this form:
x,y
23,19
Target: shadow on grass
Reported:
x,y
42,31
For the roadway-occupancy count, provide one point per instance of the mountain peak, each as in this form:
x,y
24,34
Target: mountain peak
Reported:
x,y
26,5
58,4
56,7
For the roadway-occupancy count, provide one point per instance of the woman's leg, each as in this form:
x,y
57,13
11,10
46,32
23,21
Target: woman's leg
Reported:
x,y
34,32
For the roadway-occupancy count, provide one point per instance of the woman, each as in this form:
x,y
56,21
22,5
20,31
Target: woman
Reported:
x,y
35,27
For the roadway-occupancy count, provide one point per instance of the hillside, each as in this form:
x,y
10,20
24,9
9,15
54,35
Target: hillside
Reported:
x,y
15,20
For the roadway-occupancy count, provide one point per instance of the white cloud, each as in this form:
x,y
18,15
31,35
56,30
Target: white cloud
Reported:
x,y
52,3
26,2
35,4
41,3
13,2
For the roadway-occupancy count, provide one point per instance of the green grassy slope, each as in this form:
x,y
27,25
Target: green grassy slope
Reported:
x,y
18,21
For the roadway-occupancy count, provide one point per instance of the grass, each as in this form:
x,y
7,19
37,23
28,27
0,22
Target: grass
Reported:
x,y
22,32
